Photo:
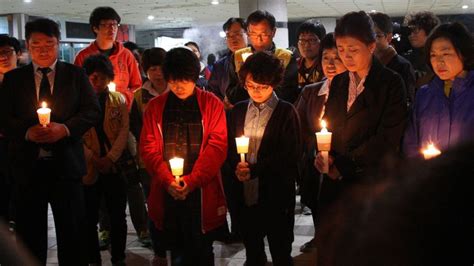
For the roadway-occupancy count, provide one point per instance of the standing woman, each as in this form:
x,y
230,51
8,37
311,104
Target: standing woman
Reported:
x,y
310,107
366,108
266,181
443,113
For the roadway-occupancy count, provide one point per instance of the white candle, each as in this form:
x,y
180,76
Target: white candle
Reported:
x,y
176,165
430,152
323,140
111,86
242,147
44,114
245,56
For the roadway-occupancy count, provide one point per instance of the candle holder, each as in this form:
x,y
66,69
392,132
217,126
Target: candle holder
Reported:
x,y
323,141
176,165
44,114
242,147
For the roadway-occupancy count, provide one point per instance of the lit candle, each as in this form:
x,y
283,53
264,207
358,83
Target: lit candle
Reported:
x,y
242,147
176,165
111,86
430,152
44,114
245,56
323,139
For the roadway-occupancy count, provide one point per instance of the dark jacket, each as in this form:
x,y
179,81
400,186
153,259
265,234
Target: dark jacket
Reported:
x,y
225,82
74,104
277,156
404,68
446,122
423,72
309,107
372,128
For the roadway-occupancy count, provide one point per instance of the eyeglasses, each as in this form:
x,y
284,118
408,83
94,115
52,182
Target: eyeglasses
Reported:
x,y
109,25
308,41
233,34
380,35
251,87
261,36
6,53
414,29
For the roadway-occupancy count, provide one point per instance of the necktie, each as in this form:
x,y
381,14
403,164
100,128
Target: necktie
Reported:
x,y
45,87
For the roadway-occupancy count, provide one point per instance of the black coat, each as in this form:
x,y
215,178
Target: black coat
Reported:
x,y
373,126
277,156
404,68
74,104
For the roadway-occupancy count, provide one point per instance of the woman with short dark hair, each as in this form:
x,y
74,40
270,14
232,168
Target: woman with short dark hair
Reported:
x,y
365,110
188,123
443,113
265,183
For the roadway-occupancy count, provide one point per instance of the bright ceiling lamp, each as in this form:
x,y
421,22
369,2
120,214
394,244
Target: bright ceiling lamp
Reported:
x,y
215,2
27,1
150,17
465,7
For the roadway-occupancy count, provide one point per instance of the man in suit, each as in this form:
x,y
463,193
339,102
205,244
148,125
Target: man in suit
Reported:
x,y
47,163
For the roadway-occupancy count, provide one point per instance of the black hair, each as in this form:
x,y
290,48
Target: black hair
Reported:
x,y
328,42
131,46
181,64
99,63
42,25
261,15
264,67
357,25
425,20
211,59
231,21
461,39
6,40
311,26
193,44
102,13
382,21
153,57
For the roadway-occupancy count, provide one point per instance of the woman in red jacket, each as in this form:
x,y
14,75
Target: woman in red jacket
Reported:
x,y
187,123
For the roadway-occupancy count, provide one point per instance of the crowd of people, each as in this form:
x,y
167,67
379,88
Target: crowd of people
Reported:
x,y
105,146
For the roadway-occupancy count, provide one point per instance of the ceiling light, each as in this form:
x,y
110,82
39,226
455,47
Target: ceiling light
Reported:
x,y
215,2
465,7
373,11
150,17
27,1
222,34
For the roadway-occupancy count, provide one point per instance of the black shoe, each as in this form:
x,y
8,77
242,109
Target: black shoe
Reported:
x,y
308,246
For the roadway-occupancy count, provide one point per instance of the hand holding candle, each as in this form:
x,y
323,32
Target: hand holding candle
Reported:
x,y
242,147
430,151
177,165
323,139
44,114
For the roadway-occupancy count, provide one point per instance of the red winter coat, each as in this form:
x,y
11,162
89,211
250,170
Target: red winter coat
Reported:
x,y
127,75
205,174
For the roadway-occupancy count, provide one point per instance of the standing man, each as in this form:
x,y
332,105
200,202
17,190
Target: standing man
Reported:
x,y
388,56
47,163
420,24
261,28
104,22
224,82
309,33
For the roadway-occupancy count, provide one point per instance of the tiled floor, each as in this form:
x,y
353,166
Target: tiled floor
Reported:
x,y
232,255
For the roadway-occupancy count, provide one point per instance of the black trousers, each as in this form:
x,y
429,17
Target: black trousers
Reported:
x,y
65,196
277,225
113,190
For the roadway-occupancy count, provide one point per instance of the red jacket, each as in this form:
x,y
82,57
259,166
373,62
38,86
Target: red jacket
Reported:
x,y
127,75
206,170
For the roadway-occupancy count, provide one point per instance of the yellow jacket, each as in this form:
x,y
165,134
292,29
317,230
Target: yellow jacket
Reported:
x,y
283,54
116,126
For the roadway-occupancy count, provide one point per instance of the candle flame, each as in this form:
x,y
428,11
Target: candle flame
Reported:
x,y
323,123
111,86
44,105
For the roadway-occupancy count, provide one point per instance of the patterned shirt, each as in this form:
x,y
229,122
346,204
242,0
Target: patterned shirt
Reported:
x,y
354,89
256,120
